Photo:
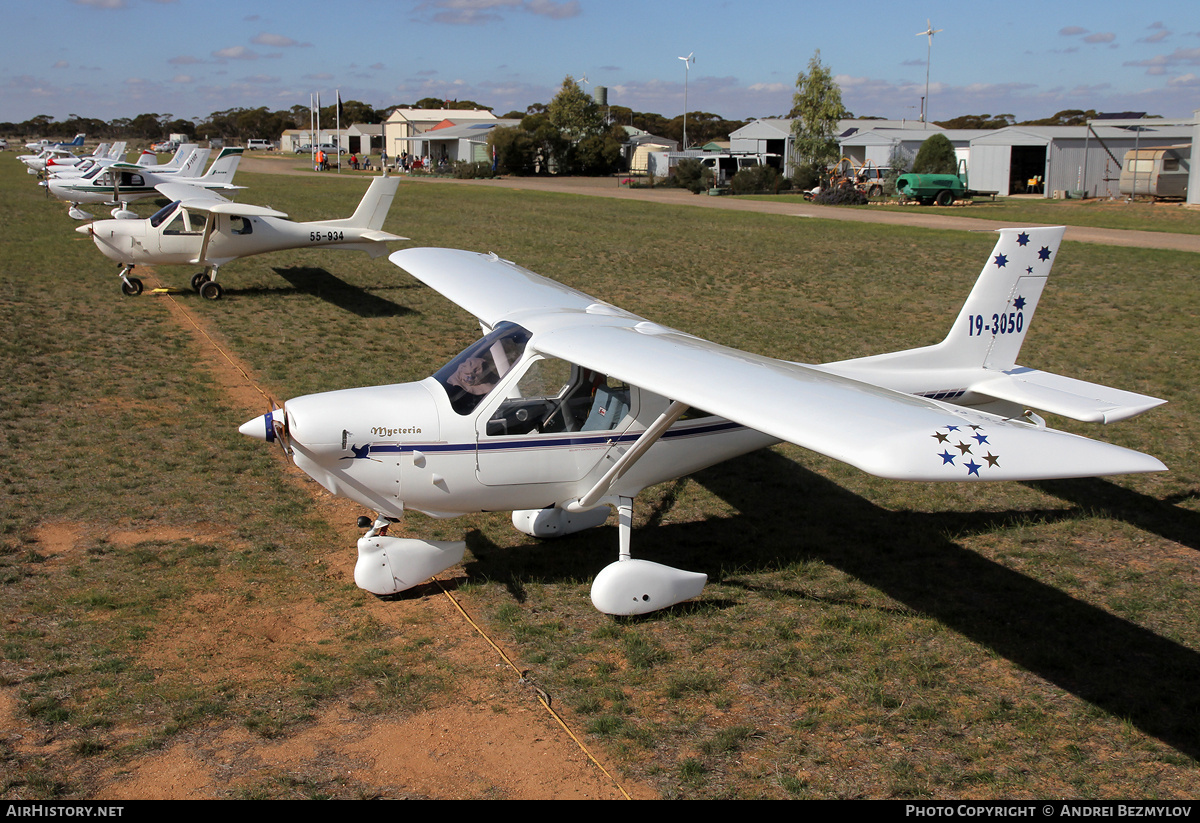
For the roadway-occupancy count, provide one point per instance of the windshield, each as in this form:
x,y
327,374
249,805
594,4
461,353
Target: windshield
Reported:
x,y
472,374
159,216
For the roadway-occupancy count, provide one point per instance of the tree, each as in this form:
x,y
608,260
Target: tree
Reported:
x,y
574,111
816,109
936,156
978,121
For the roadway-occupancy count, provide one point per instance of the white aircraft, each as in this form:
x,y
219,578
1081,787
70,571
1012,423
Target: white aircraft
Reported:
x,y
147,159
71,160
38,145
37,163
568,406
122,183
56,171
177,235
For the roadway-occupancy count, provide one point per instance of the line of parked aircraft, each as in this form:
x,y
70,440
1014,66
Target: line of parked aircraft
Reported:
x,y
569,407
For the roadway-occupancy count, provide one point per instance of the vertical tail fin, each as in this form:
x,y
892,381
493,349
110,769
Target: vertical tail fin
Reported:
x,y
993,322
373,209
194,164
224,167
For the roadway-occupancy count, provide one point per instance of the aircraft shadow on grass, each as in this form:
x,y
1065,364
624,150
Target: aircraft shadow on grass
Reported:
x,y
319,283
1118,666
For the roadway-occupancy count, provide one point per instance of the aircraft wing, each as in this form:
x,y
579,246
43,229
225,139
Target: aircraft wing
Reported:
x,y
196,195
881,431
491,288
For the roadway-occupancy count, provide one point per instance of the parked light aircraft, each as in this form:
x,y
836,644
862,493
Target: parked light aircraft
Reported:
x,y
569,406
38,145
37,163
122,183
147,159
54,158
177,235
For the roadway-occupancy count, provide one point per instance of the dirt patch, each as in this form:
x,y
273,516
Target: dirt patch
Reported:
x,y
511,755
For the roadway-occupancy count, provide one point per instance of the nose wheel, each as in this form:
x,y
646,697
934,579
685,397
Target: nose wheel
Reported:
x,y
130,286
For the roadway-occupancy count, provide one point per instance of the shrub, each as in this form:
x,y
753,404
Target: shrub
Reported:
x,y
690,174
806,177
464,170
841,196
936,156
759,180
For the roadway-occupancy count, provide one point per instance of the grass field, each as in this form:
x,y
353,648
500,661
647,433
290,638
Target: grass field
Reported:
x,y
859,638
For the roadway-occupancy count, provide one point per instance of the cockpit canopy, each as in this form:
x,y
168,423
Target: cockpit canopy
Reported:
x,y
470,376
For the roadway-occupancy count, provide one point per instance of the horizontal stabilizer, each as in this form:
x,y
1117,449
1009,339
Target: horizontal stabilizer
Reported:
x,y
1077,399
381,236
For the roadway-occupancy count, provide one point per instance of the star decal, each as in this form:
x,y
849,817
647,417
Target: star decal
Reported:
x,y
1019,303
1022,239
1001,261
974,468
1044,254
1029,269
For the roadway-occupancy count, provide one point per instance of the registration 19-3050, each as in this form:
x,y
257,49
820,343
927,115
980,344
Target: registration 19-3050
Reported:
x,y
1011,323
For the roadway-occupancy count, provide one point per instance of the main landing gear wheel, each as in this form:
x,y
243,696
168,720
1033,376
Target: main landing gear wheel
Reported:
x,y
131,287
211,290
199,279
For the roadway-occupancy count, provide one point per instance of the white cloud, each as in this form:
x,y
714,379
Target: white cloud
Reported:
x,y
479,12
277,40
1100,37
235,53
1072,31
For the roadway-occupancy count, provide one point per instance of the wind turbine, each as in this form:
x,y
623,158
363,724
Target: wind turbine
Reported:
x,y
929,32
687,61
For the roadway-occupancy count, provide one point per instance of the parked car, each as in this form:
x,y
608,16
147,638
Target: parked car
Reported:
x,y
328,148
165,146
259,145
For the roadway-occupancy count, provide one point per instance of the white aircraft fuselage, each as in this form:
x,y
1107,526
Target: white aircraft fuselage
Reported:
x,y
178,238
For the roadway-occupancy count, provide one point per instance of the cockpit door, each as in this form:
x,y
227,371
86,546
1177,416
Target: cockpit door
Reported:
x,y
550,421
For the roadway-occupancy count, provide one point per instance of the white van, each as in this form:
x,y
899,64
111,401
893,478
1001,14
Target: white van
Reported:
x,y
259,145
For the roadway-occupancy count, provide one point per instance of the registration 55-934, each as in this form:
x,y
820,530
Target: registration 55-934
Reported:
x,y
325,236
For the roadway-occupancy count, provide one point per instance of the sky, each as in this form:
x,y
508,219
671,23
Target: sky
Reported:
x,y
120,58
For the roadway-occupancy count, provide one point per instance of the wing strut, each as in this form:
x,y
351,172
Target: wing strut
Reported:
x,y
649,437
209,225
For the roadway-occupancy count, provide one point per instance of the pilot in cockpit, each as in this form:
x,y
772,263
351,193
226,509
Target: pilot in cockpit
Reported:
x,y
476,371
